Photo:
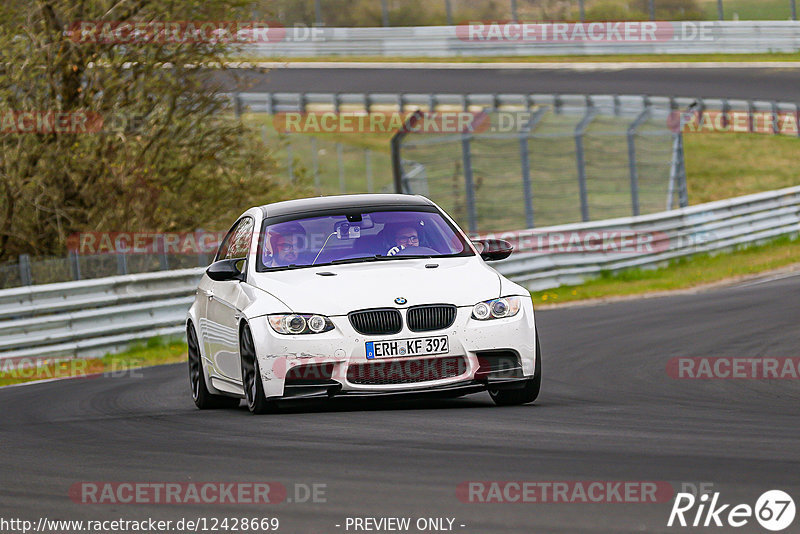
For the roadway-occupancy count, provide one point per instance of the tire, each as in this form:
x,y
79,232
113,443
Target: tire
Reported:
x,y
528,393
197,381
257,401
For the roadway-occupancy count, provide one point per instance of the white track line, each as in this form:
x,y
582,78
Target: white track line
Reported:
x,y
585,66
770,279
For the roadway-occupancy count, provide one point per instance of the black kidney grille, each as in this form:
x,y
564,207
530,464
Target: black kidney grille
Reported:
x,y
431,317
376,322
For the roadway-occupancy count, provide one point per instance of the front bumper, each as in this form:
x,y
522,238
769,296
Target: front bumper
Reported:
x,y
317,365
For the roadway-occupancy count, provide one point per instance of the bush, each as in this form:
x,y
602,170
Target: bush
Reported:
x,y
188,163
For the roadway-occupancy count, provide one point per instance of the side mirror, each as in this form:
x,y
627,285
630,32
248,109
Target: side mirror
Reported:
x,y
227,270
493,249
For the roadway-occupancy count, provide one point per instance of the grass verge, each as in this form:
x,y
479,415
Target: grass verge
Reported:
x,y
683,273
722,165
155,351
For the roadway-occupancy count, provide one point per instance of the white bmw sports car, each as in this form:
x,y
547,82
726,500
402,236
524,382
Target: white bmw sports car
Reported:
x,y
358,295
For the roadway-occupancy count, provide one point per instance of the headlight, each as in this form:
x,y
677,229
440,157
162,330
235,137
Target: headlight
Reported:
x,y
496,308
294,323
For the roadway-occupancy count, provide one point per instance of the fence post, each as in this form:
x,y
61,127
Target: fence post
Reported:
x,y
652,6
237,105
397,145
525,161
340,158
794,10
315,164
632,158
514,13
726,110
677,174
582,10
122,263
797,119
25,269
202,256
580,130
449,10
76,264
469,184
318,11
162,256
385,12
720,11
526,179
683,191
775,112
368,164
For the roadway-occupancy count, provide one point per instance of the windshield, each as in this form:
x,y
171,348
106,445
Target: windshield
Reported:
x,y
358,237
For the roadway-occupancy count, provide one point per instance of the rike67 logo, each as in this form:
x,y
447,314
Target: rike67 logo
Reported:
x,y
774,510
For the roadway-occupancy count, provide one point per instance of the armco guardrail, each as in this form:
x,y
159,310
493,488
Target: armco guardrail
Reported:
x,y
94,316
702,228
707,37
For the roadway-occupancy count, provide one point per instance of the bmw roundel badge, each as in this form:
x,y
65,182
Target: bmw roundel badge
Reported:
x,y
400,300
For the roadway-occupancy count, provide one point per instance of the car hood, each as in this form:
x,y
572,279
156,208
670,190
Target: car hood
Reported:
x,y
460,281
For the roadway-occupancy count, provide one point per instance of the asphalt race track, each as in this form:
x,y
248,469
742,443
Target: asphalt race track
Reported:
x,y
608,411
781,84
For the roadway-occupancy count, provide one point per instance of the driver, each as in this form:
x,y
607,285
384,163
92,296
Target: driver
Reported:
x,y
283,244
404,237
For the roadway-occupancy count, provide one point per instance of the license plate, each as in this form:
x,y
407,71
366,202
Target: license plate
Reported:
x,y
398,348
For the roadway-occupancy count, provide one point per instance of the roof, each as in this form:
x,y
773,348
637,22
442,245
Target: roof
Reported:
x,y
342,202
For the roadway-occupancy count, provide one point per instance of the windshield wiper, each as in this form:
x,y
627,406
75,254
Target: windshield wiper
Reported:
x,y
289,267
380,257
377,257
360,259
